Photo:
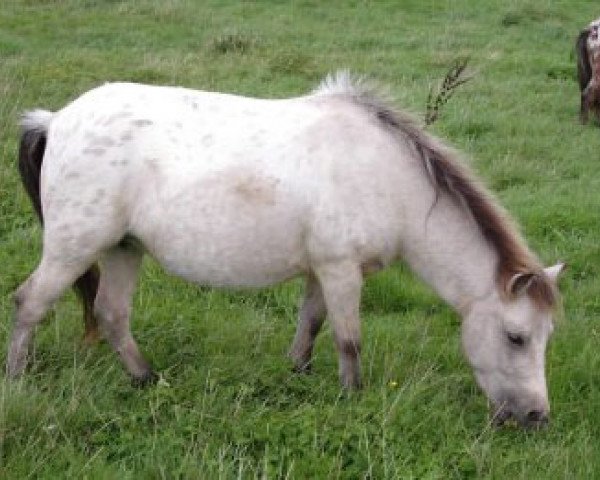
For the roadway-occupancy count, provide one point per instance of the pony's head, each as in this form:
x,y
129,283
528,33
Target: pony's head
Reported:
x,y
593,39
504,337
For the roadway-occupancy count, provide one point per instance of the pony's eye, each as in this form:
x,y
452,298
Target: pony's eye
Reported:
x,y
516,340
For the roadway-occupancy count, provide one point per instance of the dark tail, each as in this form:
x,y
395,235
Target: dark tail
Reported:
x,y
584,73
31,155
584,69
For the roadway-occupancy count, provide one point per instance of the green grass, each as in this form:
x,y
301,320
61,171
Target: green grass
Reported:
x,y
228,405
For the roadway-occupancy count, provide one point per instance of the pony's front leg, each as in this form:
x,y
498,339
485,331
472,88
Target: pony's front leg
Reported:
x,y
118,274
341,284
310,320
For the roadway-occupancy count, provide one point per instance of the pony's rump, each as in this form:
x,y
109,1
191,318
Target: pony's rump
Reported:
x,y
34,132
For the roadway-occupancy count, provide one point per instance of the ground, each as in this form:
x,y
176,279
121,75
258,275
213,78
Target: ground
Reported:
x,y
228,404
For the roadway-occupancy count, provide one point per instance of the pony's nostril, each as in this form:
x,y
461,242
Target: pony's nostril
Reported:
x,y
537,416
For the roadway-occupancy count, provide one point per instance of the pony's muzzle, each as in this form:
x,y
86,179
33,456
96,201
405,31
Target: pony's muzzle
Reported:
x,y
535,419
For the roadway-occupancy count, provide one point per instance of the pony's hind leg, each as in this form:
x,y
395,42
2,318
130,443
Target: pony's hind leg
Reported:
x,y
310,320
341,283
118,274
33,299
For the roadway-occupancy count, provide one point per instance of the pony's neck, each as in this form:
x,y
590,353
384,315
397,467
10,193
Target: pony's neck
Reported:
x,y
450,253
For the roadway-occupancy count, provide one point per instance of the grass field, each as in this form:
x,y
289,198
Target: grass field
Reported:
x,y
228,405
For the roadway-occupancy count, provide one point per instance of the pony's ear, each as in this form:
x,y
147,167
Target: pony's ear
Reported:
x,y
554,271
519,283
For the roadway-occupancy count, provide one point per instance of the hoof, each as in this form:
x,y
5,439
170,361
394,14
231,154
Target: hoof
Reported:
x,y
303,369
354,387
149,378
15,367
92,337
351,384
13,373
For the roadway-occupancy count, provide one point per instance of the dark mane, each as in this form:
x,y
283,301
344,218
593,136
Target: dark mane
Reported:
x,y
451,176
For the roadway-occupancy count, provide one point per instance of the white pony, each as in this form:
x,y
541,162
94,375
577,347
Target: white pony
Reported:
x,y
231,191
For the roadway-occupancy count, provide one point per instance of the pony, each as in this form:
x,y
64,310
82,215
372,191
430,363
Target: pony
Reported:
x,y
230,191
587,48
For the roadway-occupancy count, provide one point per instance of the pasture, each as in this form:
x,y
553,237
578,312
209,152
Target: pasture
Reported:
x,y
227,404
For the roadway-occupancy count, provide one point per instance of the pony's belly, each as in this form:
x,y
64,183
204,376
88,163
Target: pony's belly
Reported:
x,y
218,240
236,225
216,261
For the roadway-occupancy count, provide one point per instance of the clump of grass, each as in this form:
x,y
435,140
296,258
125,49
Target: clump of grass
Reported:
x,y
233,42
511,18
530,14
562,72
291,63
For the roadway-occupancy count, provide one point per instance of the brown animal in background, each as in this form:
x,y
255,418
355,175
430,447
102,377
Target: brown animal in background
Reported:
x,y
588,70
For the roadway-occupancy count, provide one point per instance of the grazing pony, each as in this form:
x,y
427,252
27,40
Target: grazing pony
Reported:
x,y
230,191
588,70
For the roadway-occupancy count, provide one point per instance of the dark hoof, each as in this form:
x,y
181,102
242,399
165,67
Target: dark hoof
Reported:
x,y
305,369
353,387
351,384
92,337
149,378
